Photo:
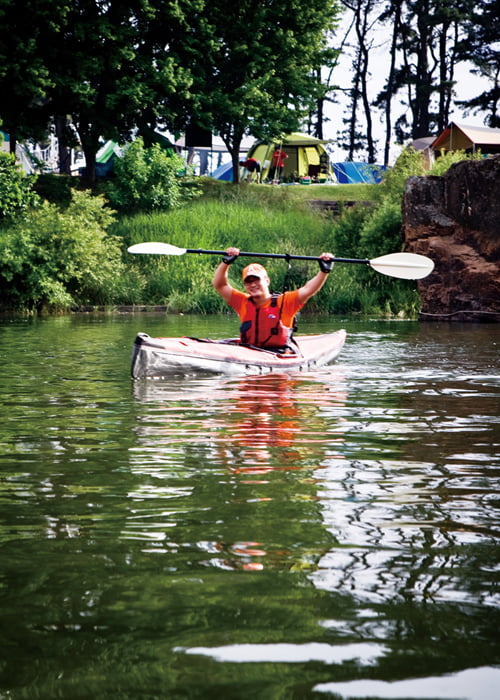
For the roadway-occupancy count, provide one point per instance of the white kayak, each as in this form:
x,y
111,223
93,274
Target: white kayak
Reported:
x,y
163,357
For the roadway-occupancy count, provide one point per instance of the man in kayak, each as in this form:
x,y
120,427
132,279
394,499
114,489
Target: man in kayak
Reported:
x,y
267,320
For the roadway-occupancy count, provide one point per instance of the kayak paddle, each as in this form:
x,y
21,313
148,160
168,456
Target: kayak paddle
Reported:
x,y
407,266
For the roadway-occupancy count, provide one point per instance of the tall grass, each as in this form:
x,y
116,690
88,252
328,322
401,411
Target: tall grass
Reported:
x,y
287,194
281,225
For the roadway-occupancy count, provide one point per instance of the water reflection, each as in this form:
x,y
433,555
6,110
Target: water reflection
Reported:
x,y
269,536
412,507
253,434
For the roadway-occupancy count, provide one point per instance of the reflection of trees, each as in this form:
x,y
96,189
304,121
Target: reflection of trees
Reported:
x,y
411,510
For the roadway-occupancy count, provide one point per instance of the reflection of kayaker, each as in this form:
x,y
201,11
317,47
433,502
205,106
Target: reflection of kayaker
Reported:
x,y
269,420
267,320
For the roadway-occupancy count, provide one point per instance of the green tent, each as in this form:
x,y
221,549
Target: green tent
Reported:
x,y
306,157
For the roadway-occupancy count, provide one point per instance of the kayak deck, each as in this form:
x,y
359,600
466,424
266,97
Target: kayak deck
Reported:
x,y
160,357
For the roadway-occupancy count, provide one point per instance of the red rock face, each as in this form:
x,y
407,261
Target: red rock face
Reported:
x,y
455,220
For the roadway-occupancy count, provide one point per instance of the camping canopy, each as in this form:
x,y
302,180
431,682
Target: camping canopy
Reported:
x,y
306,156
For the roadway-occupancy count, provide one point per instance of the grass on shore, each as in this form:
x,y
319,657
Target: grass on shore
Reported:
x,y
217,189
258,218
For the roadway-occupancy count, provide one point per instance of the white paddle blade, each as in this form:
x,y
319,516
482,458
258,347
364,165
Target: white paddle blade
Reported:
x,y
406,266
155,248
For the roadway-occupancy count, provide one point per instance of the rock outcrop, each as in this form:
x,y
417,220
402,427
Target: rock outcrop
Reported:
x,y
455,220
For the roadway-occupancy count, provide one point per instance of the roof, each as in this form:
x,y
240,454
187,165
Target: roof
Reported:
x,y
423,142
298,139
465,136
295,139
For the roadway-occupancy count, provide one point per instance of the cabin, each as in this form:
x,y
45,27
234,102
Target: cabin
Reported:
x,y
471,139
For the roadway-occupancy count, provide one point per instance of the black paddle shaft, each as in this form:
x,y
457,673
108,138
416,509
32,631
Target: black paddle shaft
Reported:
x,y
282,256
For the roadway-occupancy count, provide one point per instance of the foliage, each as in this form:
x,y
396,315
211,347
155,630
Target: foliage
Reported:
x,y
253,66
108,69
16,188
392,187
444,162
57,259
347,230
120,66
147,179
56,188
480,45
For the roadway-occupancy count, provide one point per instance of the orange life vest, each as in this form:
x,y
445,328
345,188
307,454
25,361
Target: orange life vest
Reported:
x,y
263,327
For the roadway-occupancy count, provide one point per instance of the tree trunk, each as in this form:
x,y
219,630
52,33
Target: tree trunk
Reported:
x,y
235,157
64,153
390,81
90,146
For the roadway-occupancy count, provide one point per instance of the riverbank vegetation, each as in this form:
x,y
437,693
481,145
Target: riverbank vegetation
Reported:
x,y
72,253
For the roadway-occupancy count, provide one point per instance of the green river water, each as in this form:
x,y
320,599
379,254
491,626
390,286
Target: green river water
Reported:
x,y
333,534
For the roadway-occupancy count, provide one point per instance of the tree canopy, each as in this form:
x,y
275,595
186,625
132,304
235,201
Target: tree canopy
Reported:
x,y
108,69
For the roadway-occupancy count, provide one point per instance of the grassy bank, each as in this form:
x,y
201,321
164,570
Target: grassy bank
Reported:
x,y
63,248
262,219
71,252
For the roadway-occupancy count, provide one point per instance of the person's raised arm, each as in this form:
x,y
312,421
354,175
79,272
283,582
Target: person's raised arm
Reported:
x,y
313,286
220,280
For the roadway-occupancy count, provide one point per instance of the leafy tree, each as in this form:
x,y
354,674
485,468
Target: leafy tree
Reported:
x,y
16,188
480,45
363,21
107,71
385,98
25,76
253,66
97,69
429,40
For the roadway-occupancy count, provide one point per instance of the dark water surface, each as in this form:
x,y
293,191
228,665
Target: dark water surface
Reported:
x,y
333,534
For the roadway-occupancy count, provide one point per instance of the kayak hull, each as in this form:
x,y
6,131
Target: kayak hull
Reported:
x,y
163,357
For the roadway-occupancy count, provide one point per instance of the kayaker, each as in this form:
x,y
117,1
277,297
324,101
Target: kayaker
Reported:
x,y
267,320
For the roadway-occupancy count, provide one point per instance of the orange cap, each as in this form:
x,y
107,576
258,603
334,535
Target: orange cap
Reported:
x,y
254,270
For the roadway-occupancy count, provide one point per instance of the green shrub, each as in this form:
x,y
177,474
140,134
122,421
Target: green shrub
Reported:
x,y
16,188
381,232
347,231
147,179
392,187
56,188
444,162
54,260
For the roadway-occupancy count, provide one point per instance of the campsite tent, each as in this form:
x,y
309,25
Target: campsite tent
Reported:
x,y
105,157
306,156
351,173
458,137
223,172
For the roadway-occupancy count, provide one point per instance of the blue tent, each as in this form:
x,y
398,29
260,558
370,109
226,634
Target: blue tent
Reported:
x,y
353,173
224,172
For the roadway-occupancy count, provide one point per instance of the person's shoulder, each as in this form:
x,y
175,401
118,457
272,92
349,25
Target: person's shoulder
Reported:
x,y
291,298
237,298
